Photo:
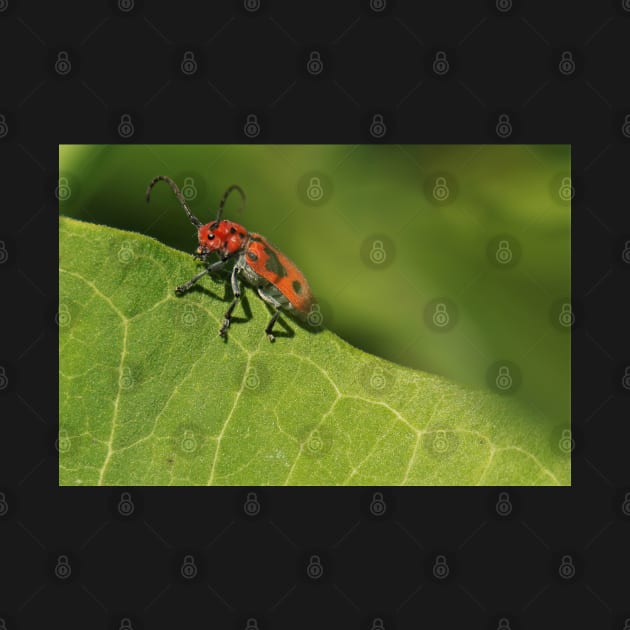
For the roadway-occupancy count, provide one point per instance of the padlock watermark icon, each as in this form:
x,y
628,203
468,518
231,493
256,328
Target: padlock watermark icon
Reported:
x,y
441,65
251,128
377,379
4,128
441,190
566,443
188,317
378,507
315,443
126,253
63,441
504,255
566,570
4,379
126,380
378,251
441,318
125,505
504,6
4,510
189,568
126,5
378,255
252,380
504,379
566,66
189,65
503,128
315,190
441,570
314,569
63,570
378,5
63,191
189,190
566,318
251,506
377,127
315,316
503,505
315,65
566,191
440,442
377,624
126,128
189,442
441,314
251,5
63,66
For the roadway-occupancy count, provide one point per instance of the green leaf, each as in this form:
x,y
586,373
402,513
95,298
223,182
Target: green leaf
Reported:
x,y
150,394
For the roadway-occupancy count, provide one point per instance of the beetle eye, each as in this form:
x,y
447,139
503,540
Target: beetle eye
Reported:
x,y
210,237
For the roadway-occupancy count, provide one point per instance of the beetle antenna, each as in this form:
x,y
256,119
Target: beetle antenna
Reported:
x,y
193,219
226,194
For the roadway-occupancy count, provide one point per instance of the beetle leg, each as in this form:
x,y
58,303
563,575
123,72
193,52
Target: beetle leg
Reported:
x,y
182,288
272,302
237,296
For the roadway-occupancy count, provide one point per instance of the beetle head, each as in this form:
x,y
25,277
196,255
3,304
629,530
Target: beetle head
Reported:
x,y
224,237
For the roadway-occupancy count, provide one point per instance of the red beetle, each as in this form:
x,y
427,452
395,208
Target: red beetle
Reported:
x,y
260,264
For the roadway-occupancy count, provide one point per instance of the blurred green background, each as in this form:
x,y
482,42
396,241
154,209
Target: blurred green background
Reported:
x,y
450,259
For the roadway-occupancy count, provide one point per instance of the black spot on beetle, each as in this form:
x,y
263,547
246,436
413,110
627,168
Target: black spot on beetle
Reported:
x,y
297,287
232,230
241,234
273,264
252,256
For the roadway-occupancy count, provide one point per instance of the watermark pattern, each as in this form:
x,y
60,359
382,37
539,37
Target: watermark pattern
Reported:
x,y
251,505
441,188
315,188
251,126
441,443
315,568
378,251
504,251
316,441
126,128
504,377
562,315
441,315
562,189
562,440
315,63
376,380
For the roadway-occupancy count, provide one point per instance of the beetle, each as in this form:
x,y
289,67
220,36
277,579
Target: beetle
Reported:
x,y
257,262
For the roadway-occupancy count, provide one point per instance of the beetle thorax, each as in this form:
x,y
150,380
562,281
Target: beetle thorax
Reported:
x,y
224,237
